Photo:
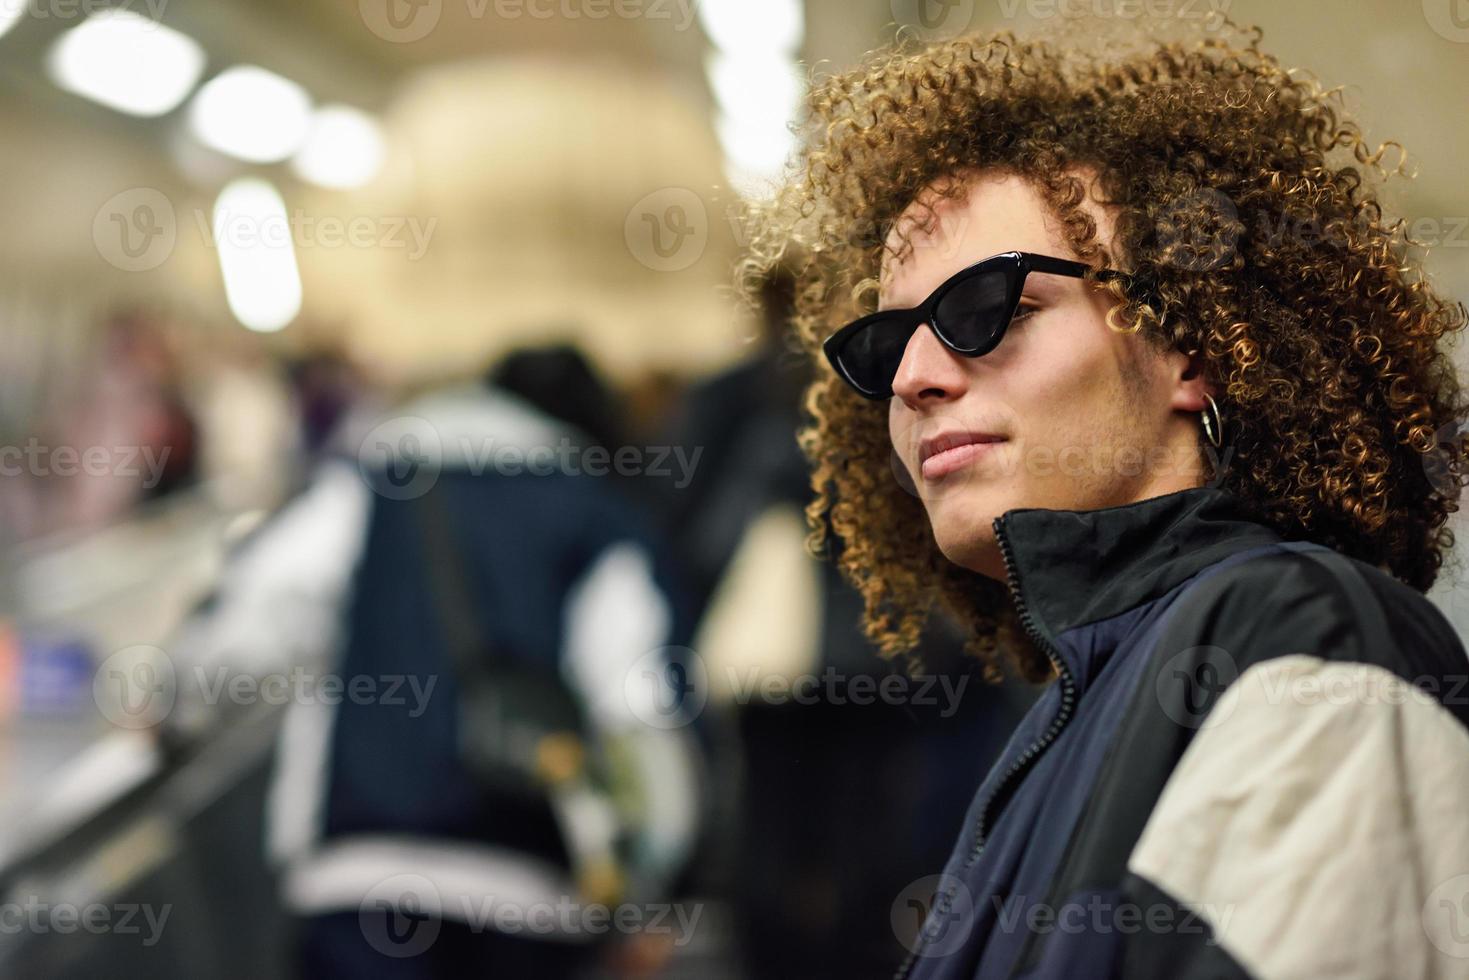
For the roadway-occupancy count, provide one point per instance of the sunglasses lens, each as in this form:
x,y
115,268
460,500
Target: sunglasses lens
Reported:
x,y
973,314
870,357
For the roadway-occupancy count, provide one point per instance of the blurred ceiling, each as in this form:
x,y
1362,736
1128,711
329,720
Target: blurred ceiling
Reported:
x,y
528,138
1411,80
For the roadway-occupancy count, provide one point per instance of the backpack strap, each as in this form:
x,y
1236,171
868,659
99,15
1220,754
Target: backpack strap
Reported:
x,y
468,645
519,717
1370,615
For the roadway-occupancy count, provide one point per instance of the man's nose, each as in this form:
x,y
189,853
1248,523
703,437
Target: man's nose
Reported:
x,y
929,371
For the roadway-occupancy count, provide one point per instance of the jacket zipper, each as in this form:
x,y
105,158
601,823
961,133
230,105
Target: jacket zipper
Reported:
x,y
1032,752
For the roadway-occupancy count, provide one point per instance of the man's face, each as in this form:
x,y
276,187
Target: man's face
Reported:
x,y
1087,417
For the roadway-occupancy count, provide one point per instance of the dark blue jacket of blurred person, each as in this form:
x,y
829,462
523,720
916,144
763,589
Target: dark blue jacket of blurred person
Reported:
x,y
394,857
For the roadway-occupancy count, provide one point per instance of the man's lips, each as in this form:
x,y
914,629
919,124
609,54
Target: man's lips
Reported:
x,y
946,452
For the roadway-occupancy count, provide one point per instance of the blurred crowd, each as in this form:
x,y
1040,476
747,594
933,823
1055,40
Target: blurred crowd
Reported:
x,y
598,665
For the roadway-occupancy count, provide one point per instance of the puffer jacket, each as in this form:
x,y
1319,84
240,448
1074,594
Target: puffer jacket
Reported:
x,y
1254,763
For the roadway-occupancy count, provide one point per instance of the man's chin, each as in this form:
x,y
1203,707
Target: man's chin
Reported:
x,y
973,547
963,525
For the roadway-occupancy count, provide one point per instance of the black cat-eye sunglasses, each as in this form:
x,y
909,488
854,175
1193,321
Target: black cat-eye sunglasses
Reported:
x,y
968,313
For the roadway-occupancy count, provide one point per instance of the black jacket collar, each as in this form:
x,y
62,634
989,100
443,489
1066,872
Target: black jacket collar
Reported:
x,y
1073,567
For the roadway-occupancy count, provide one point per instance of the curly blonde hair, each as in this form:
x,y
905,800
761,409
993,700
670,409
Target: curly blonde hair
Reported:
x,y
1249,233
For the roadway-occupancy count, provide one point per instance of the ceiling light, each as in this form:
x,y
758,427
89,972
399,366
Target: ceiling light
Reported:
x,y
251,114
739,26
752,87
257,258
125,61
344,148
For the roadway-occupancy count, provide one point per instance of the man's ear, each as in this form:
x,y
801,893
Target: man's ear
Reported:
x,y
1186,376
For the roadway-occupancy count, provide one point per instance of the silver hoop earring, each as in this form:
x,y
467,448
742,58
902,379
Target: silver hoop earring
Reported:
x,y
1213,427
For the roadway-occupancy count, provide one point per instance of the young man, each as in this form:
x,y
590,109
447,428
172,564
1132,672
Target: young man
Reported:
x,y
1129,371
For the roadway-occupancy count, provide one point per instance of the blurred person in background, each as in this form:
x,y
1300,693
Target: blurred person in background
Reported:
x,y
327,386
524,755
251,452
1189,472
560,381
130,403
